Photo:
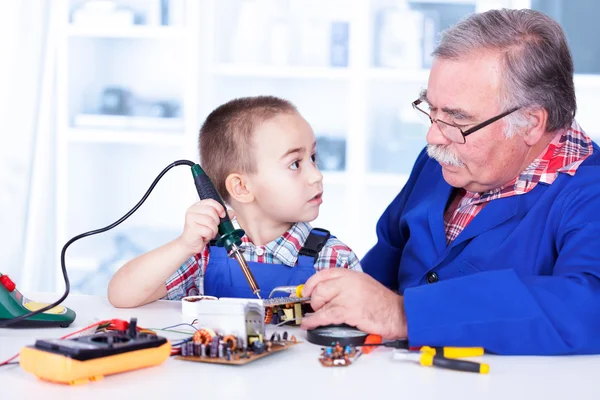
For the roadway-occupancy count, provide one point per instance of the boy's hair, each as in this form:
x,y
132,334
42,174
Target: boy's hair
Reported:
x,y
226,136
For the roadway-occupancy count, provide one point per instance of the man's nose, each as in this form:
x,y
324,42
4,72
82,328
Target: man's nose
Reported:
x,y
435,135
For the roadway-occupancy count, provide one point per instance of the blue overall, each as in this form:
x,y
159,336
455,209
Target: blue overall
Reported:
x,y
224,277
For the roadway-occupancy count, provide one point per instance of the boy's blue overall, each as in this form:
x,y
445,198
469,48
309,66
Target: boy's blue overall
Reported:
x,y
224,277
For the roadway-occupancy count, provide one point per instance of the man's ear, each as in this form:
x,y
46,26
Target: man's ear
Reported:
x,y
237,186
538,120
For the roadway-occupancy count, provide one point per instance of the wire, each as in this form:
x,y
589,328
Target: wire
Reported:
x,y
175,326
90,233
68,335
181,342
6,362
9,363
173,331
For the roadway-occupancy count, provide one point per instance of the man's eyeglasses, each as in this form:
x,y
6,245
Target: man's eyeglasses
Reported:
x,y
455,133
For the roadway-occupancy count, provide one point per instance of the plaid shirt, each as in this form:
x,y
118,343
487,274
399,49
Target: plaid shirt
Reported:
x,y
188,280
563,155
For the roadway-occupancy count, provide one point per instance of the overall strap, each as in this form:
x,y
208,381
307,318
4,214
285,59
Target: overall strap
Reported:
x,y
308,254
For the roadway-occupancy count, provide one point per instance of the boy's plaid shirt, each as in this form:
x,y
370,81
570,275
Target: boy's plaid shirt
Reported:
x,y
563,155
188,280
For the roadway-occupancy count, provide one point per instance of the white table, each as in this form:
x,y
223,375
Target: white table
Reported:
x,y
292,374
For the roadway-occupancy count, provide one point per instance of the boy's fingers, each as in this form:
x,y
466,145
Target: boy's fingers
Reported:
x,y
220,210
206,233
232,213
206,210
207,217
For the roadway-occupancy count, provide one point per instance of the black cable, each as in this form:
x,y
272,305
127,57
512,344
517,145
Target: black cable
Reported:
x,y
90,233
10,363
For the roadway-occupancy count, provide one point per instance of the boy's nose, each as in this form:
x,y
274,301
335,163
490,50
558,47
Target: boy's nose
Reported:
x,y
315,176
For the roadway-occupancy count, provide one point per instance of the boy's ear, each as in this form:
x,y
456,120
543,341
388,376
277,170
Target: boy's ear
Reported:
x,y
237,187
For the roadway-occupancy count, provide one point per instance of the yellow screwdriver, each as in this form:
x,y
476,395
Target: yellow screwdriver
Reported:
x,y
429,359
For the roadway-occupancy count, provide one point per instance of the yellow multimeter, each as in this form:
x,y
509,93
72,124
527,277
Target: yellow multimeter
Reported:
x,y
91,357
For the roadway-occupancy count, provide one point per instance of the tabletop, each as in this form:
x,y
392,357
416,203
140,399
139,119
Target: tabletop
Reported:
x,y
292,374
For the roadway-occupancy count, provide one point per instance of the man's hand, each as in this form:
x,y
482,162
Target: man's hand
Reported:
x,y
343,296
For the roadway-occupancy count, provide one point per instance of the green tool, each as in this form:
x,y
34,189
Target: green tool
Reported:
x,y
14,304
230,238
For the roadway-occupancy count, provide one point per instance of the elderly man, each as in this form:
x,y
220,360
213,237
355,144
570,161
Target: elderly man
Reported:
x,y
495,239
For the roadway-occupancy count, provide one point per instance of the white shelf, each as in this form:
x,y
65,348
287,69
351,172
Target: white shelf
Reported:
x,y
400,75
79,135
133,32
267,71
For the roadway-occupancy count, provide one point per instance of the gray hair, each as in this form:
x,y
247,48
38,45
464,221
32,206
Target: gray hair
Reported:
x,y
537,63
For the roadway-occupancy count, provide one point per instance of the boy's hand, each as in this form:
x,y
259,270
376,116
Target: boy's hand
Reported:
x,y
201,225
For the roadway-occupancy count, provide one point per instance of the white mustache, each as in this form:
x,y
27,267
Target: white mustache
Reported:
x,y
441,154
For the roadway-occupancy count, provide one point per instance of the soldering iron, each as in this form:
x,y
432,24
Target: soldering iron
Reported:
x,y
229,238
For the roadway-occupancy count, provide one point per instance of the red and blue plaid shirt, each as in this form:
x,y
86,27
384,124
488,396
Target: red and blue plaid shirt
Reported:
x,y
563,155
188,280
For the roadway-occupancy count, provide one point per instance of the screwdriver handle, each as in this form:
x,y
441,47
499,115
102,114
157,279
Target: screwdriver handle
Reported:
x,y
457,365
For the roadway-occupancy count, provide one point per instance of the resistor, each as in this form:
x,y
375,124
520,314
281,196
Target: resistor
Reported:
x,y
268,315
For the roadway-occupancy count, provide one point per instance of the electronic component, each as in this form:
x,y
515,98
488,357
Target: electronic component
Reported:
x,y
209,347
337,355
91,357
286,310
281,301
242,317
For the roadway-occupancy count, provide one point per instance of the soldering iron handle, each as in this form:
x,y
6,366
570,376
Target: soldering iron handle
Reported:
x,y
206,189
460,365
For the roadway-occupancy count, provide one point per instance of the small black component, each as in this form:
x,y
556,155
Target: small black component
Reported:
x,y
343,334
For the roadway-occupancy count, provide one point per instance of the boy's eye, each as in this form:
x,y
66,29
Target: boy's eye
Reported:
x,y
295,165
313,158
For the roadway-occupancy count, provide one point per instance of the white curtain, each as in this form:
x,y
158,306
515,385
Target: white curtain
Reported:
x,y
26,135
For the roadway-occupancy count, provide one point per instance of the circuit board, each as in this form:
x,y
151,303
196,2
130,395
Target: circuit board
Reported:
x,y
238,359
339,356
280,301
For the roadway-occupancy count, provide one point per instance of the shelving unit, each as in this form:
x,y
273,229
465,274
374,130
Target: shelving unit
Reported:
x,y
365,105
104,164
149,32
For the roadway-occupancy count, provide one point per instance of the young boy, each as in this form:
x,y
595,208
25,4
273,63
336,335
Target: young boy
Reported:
x,y
260,155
